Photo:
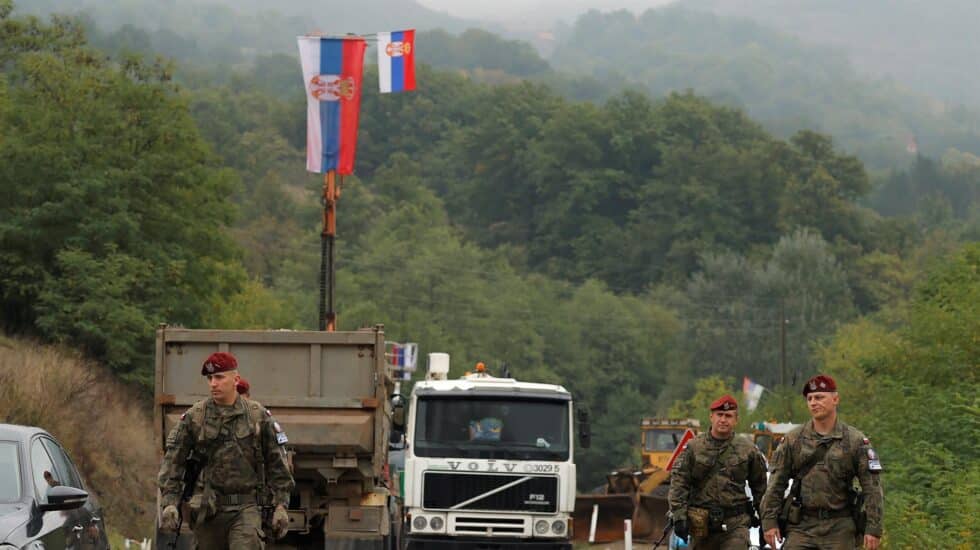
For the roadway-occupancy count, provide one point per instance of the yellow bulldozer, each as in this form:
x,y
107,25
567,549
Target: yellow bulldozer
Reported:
x,y
768,435
638,494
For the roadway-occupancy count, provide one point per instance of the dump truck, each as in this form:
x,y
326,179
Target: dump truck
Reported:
x,y
488,462
330,393
636,494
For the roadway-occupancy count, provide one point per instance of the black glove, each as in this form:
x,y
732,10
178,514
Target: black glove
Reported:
x,y
681,530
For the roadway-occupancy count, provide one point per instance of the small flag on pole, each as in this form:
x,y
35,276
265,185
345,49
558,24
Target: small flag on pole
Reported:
x,y
752,391
396,61
403,356
332,76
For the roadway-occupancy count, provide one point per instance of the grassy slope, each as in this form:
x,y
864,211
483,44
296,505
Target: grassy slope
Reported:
x,y
104,424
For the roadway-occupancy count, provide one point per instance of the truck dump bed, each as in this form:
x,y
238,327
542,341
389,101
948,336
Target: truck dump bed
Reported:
x,y
328,390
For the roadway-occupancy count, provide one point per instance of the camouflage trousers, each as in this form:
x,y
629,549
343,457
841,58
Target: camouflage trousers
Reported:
x,y
821,534
735,538
232,529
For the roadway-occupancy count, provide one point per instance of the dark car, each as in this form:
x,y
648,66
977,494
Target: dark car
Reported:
x,y
43,502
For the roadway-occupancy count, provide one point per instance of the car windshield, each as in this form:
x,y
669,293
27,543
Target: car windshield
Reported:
x,y
497,427
9,472
662,439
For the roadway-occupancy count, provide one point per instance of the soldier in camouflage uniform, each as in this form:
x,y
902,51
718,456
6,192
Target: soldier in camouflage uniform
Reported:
x,y
244,467
708,479
825,514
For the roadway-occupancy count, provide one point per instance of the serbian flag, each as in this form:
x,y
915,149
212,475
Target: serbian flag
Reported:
x,y
332,75
752,391
396,61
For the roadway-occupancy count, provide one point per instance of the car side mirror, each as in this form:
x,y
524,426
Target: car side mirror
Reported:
x,y
584,428
63,497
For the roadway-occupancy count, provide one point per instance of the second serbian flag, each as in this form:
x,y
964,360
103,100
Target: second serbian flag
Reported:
x,y
396,61
332,76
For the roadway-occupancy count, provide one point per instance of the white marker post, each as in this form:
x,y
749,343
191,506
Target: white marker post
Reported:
x,y
595,518
628,538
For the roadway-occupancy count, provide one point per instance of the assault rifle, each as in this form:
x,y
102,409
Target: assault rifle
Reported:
x,y
667,529
192,469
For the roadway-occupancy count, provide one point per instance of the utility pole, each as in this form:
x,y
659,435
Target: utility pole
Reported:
x,y
783,321
782,343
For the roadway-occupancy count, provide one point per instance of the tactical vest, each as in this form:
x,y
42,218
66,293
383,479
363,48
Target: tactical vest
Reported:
x,y
203,445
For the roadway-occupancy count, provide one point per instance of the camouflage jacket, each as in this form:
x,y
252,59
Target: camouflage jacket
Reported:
x,y
826,485
231,440
689,485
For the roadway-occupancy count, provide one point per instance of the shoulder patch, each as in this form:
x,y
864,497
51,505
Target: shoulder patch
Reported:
x,y
874,462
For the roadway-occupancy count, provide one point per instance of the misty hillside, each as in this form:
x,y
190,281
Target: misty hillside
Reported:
x,y
230,31
930,46
334,16
784,82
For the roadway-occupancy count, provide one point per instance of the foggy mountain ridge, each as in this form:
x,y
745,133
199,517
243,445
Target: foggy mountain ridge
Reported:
x,y
520,15
331,16
930,46
783,81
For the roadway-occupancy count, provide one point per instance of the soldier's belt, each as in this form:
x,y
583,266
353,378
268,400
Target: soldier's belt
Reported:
x,y
236,500
823,513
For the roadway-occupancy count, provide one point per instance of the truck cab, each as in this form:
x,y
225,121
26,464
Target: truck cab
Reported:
x,y
488,462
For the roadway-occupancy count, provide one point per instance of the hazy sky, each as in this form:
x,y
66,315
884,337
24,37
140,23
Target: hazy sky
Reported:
x,y
511,10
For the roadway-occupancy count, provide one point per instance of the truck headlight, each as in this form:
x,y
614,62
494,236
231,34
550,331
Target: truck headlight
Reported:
x,y
541,527
419,523
558,526
436,523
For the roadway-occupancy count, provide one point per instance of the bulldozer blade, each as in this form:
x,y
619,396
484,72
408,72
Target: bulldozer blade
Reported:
x,y
612,511
650,516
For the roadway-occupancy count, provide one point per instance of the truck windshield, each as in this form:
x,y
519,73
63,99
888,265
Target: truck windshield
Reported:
x,y
499,428
662,439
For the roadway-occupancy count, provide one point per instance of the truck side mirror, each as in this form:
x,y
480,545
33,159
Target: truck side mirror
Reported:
x,y
398,411
584,428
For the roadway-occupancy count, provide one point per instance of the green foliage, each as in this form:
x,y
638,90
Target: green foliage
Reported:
x,y
113,206
940,194
908,380
706,391
412,270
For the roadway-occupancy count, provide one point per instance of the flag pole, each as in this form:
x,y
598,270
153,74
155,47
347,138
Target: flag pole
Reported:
x,y
328,282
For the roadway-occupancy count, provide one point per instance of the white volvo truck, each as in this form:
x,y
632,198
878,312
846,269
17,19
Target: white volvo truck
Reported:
x,y
489,463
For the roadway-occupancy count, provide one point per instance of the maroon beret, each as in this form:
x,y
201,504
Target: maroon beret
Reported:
x,y
242,386
725,403
820,382
218,362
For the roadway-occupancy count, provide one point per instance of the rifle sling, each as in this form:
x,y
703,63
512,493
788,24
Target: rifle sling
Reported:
x,y
816,457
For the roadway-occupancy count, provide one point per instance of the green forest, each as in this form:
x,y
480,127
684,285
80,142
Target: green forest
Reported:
x,y
642,247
